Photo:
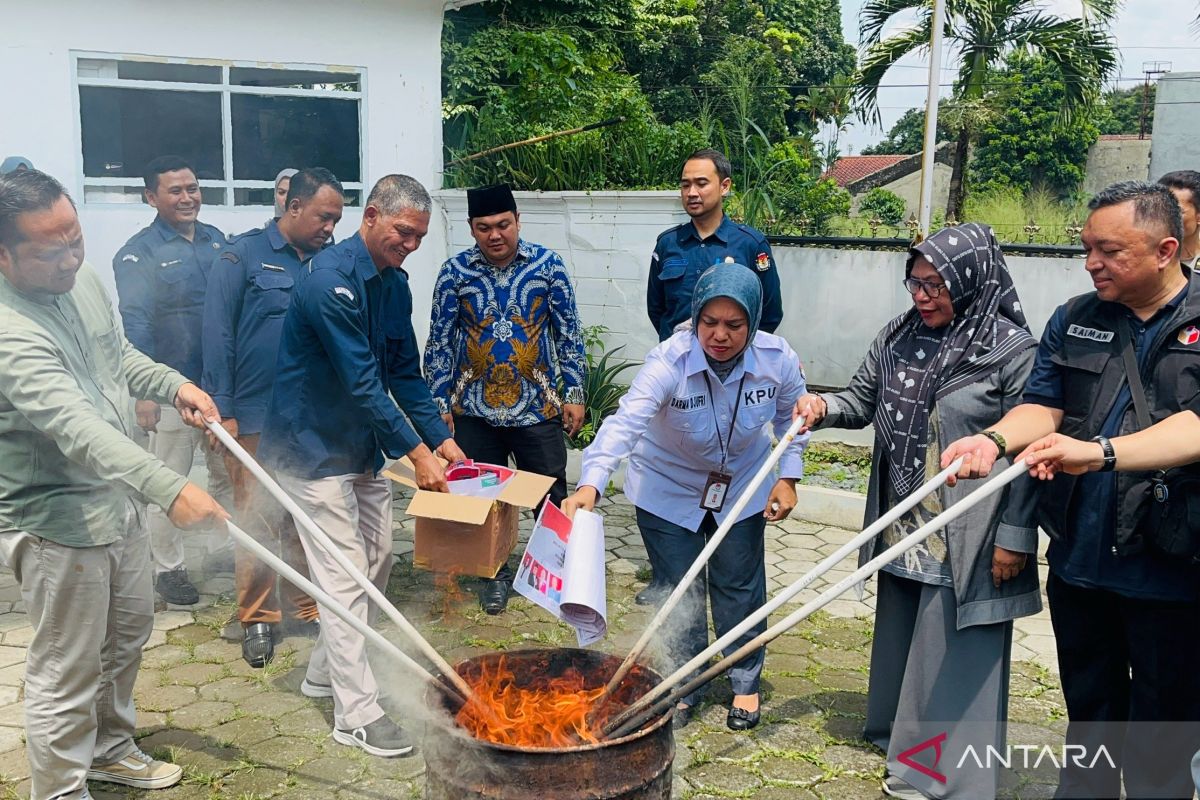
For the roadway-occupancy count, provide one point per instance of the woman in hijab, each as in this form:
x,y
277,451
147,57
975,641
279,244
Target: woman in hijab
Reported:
x,y
696,425
954,362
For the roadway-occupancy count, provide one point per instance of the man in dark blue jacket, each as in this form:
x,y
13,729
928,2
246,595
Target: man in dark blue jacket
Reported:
x,y
249,290
331,421
162,275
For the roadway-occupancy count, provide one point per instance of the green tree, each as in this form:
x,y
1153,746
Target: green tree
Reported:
x,y
907,135
1027,146
1122,110
982,33
674,41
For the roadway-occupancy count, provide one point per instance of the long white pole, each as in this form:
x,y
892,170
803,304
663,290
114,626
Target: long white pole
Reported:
x,y
337,609
799,585
629,720
343,561
702,559
929,152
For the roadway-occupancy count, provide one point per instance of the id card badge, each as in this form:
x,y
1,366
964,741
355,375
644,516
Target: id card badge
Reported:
x,y
715,490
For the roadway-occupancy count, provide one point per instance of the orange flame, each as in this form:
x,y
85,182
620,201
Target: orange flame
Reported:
x,y
552,712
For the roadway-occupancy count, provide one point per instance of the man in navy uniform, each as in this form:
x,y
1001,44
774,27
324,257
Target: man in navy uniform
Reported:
x,y
249,291
347,350
684,252
162,275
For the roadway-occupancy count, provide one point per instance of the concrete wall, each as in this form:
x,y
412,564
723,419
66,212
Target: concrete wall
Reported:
x,y
605,238
1176,111
835,301
398,45
1113,160
909,188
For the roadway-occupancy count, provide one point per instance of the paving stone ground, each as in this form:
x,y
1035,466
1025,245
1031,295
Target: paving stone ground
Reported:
x,y
249,735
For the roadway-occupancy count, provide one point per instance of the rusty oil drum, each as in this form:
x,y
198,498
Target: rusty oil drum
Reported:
x,y
634,767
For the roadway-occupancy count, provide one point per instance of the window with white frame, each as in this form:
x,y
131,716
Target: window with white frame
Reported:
x,y
238,123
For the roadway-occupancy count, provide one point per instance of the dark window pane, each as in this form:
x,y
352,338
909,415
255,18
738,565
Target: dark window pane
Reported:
x,y
295,79
158,71
124,129
271,133
266,197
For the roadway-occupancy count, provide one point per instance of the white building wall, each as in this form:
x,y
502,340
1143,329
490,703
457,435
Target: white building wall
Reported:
x,y
834,300
398,44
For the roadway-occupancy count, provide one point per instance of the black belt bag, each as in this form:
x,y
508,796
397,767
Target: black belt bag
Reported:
x,y
1167,506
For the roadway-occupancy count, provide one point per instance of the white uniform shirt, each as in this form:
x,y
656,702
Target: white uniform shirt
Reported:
x,y
666,428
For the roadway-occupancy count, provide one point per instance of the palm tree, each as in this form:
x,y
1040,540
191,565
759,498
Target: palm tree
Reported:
x,y
981,33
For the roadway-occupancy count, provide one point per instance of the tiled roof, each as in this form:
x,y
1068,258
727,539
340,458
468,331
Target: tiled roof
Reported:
x,y
849,169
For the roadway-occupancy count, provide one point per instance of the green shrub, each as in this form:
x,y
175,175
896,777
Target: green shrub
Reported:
x,y
887,206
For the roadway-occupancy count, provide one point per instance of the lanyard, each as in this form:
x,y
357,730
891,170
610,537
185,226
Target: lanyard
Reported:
x,y
716,424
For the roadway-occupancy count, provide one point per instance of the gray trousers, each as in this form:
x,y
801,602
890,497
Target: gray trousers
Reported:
x,y
928,677
355,511
174,444
92,610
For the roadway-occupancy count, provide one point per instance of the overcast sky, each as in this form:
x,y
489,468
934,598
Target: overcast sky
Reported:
x,y
1146,30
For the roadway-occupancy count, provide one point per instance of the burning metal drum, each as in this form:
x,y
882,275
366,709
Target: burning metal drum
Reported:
x,y
460,766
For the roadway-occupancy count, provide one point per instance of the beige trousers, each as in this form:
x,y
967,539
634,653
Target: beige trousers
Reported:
x,y
174,444
356,512
92,610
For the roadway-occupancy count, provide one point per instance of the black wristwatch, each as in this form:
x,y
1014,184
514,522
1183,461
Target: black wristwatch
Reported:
x,y
997,440
1110,455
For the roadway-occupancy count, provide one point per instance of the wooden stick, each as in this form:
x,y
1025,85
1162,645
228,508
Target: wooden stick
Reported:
x,y
327,603
534,140
631,719
343,561
787,594
731,518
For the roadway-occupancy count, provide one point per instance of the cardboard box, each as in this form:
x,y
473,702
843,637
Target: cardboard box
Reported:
x,y
467,535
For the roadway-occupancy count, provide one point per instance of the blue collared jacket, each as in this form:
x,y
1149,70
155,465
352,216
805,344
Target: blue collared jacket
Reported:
x,y
499,339
346,335
249,290
681,256
667,427
161,282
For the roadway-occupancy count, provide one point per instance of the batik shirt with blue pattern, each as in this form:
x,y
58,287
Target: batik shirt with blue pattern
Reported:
x,y
501,338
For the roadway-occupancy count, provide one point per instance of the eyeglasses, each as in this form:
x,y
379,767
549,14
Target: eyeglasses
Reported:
x,y
931,289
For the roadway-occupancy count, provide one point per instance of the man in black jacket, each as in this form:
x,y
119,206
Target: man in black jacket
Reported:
x,y
1125,617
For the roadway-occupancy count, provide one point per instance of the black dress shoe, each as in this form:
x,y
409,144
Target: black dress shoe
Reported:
x,y
653,595
258,648
740,719
493,596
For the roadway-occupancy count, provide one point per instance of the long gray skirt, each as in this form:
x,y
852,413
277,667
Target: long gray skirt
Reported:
x,y
928,678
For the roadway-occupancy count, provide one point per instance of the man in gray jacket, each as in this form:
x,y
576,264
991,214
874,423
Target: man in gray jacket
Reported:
x,y
69,528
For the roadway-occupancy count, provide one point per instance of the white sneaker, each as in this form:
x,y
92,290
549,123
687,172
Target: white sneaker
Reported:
x,y
315,690
138,770
894,787
382,738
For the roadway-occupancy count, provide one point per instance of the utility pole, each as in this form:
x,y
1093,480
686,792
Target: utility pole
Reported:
x,y
1153,69
929,153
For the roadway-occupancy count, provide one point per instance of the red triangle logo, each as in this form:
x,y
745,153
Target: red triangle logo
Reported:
x,y
906,758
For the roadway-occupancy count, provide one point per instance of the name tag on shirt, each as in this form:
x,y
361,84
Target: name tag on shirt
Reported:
x,y
693,402
171,263
273,268
1090,333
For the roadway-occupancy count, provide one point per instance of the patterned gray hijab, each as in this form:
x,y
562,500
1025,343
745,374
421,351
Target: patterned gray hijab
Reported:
x,y
919,365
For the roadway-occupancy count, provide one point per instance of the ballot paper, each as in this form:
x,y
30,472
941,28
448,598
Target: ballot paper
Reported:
x,y
563,571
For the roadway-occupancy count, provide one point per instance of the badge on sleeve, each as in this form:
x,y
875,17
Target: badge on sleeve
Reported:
x,y
715,490
763,262
1189,335
344,292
